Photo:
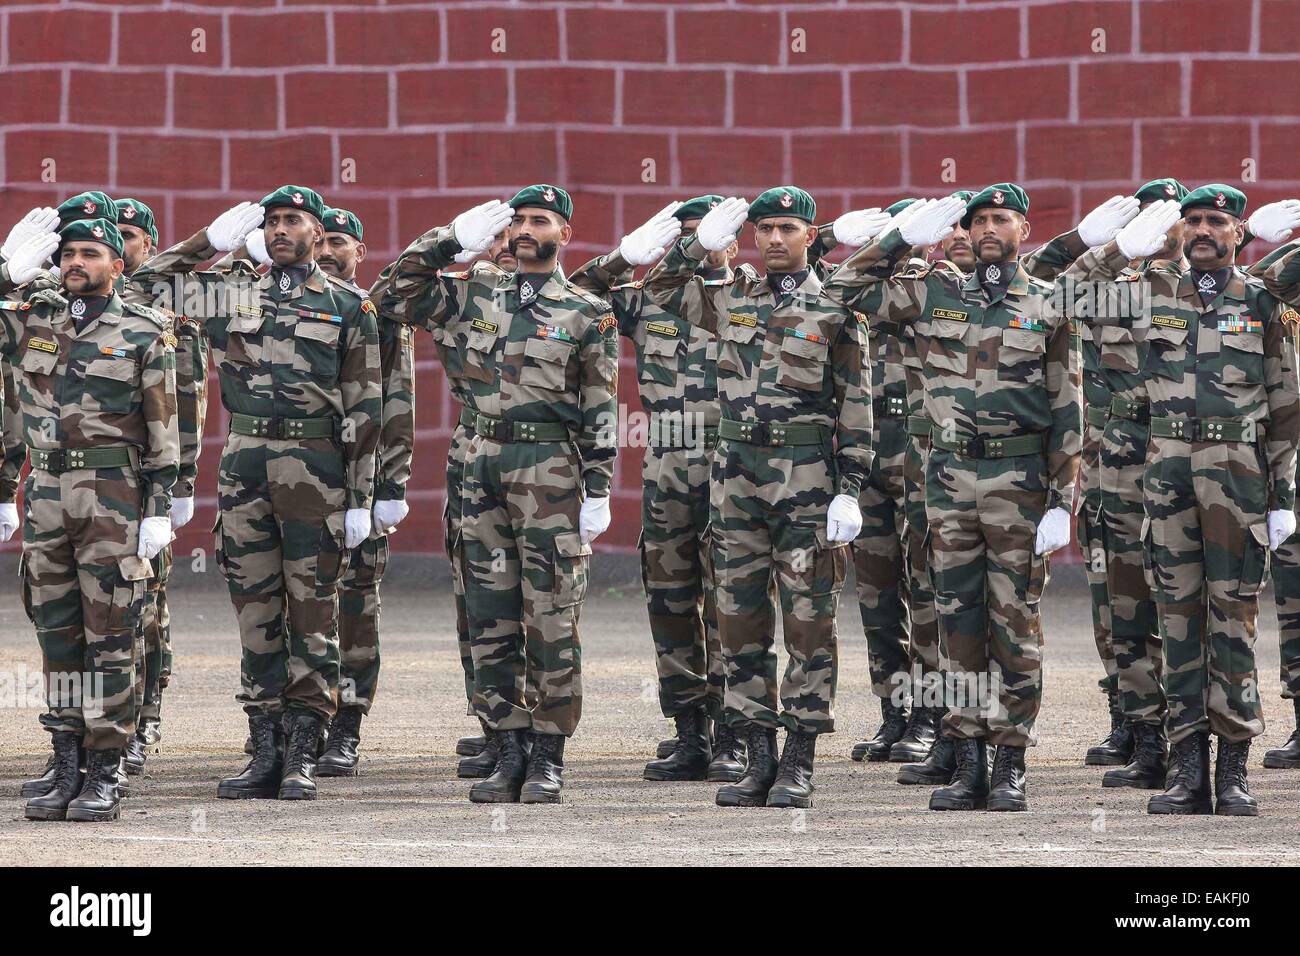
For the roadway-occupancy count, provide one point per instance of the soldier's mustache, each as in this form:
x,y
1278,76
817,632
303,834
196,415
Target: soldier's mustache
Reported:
x,y
545,250
1219,248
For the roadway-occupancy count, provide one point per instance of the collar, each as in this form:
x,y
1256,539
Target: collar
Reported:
x,y
106,309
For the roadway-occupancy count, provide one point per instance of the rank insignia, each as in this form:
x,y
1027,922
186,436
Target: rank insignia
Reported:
x,y
1169,321
952,314
42,345
661,328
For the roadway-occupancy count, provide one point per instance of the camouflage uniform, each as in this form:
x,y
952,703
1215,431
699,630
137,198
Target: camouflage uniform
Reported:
x,y
13,452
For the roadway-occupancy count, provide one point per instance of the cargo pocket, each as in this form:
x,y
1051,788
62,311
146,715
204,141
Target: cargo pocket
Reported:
x,y
570,569
545,362
803,361
25,587
822,572
1040,572
1255,562
133,574
219,547
332,560
1148,558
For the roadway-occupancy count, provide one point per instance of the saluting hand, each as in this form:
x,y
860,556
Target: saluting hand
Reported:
x,y
1104,223
647,242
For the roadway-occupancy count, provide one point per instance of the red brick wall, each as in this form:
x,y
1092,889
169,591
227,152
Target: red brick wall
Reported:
x,y
880,95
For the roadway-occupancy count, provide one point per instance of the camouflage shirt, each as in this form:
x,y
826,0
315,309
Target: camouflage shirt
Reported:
x,y
12,448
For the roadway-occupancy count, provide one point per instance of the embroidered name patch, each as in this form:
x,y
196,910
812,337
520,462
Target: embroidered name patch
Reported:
x,y
953,314
739,318
483,325
1169,321
659,328
42,345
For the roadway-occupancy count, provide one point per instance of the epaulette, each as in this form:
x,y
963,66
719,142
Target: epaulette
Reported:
x,y
747,272
634,284
917,272
483,265
1040,283
48,296
345,284
145,312
589,297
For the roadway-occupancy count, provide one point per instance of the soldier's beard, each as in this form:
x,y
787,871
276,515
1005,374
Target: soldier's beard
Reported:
x,y
994,250
545,251
79,282
299,254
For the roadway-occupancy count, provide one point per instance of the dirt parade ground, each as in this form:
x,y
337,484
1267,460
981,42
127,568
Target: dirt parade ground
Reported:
x,y
407,807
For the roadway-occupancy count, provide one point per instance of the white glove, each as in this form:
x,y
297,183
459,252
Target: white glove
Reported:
x,y
1145,235
182,512
721,224
477,228
843,519
1053,531
1274,222
1102,224
933,223
860,226
388,514
356,527
594,518
155,534
647,242
228,230
26,261
255,243
466,255
8,521
40,220
1281,524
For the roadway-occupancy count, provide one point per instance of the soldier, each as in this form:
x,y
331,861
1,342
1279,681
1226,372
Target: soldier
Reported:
x,y
541,364
794,447
298,360
1219,489
96,387
1002,391
342,250
677,379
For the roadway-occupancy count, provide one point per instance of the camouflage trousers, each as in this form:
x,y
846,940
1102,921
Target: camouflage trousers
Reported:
x,y
1286,595
84,589
359,623
1208,545
767,509
984,516
1135,632
924,617
1089,535
525,578
674,549
279,543
451,536
154,642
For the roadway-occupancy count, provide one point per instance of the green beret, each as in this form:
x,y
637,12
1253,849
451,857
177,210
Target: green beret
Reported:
x,y
544,196
783,201
899,206
1003,196
1161,189
132,212
89,205
296,197
1216,196
90,230
342,220
963,194
696,208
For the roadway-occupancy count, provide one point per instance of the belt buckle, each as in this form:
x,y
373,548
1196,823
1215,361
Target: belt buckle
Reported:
x,y
53,461
973,447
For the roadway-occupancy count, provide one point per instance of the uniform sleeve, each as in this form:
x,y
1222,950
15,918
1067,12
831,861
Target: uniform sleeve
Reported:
x,y
1052,258
11,438
397,437
191,401
1095,267
361,390
1283,434
1260,267
411,291
598,398
870,282
675,288
1282,276
603,273
851,373
160,460
1065,401
154,283
824,244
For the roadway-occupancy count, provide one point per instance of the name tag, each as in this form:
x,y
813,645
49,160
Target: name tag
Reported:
x,y
739,318
1169,321
952,314
248,310
42,345
483,325
660,328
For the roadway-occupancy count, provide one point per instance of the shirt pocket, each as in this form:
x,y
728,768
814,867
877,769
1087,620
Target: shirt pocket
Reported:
x,y
735,349
660,360
317,344
545,363
479,346
1243,358
1118,349
244,339
1166,352
111,384
1020,357
803,362
946,347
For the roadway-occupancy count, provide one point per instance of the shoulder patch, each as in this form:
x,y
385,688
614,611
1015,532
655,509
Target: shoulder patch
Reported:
x,y
144,312
606,323
368,306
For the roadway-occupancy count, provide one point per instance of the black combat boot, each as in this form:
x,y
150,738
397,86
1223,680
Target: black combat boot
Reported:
x,y
1286,757
794,786
471,746
936,769
1231,794
919,735
480,765
892,727
760,773
969,789
1188,789
340,756
133,756
45,782
66,779
261,778
665,748
1116,749
1007,788
690,758
302,747
99,799
1147,769
545,777
123,775
150,730
728,763
502,785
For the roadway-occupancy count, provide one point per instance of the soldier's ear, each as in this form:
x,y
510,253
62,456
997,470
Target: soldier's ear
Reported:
x,y
809,236
361,251
118,266
1024,229
566,233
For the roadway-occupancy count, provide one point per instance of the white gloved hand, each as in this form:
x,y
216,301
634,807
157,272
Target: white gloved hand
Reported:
x,y
477,228
25,263
8,521
934,222
1146,234
155,534
1053,531
1104,223
226,233
1274,222
465,255
356,527
182,512
860,226
1281,525
593,519
647,242
843,519
388,514
40,220
721,224
255,243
